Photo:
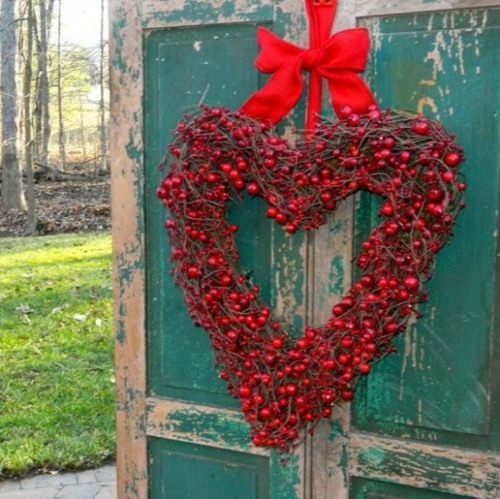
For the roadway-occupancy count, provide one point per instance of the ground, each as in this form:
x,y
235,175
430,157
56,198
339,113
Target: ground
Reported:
x,y
81,205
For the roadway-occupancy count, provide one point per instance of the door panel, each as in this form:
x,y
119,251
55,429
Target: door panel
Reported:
x,y
198,440
370,489
184,67
442,385
182,470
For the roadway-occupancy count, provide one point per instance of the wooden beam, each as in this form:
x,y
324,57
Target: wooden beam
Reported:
x,y
205,425
422,465
128,249
367,8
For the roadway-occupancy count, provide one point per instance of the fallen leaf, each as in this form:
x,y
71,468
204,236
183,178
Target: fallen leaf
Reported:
x,y
98,322
79,317
24,308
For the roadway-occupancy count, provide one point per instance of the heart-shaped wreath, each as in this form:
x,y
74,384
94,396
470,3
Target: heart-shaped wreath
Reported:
x,y
285,384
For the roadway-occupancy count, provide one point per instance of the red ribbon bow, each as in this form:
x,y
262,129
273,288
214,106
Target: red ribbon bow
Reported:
x,y
339,60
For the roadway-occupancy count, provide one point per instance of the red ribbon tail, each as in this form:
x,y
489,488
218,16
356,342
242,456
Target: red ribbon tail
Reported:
x,y
348,89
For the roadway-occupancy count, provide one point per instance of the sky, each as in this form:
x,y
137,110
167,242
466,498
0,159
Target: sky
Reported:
x,y
81,21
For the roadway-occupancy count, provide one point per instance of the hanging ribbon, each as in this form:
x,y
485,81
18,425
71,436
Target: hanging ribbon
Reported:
x,y
339,59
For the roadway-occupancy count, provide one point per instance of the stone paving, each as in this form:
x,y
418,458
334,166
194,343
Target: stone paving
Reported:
x,y
92,484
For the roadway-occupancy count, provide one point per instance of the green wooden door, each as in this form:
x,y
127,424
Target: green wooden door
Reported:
x,y
428,418
198,443
426,422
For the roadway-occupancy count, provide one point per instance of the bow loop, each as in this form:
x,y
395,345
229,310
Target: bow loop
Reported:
x,y
339,59
274,52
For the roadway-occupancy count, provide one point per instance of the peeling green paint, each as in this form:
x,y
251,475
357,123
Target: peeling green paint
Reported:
x,y
120,334
134,152
336,274
288,474
373,456
118,25
209,426
185,13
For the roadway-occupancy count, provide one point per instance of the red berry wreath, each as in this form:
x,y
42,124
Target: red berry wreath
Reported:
x,y
283,384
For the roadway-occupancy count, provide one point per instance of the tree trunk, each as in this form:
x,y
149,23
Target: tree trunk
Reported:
x,y
62,145
82,130
27,121
50,16
102,110
43,88
12,191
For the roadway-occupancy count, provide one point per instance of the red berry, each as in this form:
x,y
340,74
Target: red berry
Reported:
x,y
364,368
343,358
448,177
265,413
253,188
277,342
326,412
245,391
452,159
272,212
192,272
347,395
411,282
387,209
421,127
239,184
345,111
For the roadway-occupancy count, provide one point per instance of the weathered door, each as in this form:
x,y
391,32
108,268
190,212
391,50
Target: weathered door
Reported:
x,y
426,424
177,424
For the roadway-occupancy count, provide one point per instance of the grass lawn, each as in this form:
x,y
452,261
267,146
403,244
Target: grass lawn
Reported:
x,y
56,353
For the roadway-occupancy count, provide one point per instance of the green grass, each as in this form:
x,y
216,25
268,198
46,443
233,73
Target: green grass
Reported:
x,y
56,353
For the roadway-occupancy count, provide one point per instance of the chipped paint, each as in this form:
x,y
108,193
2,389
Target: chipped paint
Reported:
x,y
433,467
188,12
289,256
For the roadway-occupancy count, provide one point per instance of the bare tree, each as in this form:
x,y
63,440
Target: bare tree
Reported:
x,y
102,109
12,190
43,85
62,145
26,122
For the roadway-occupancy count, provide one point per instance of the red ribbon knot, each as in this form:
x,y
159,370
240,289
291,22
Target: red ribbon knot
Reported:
x,y
339,60
312,59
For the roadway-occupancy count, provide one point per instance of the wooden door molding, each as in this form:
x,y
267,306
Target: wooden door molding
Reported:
x,y
368,8
127,187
